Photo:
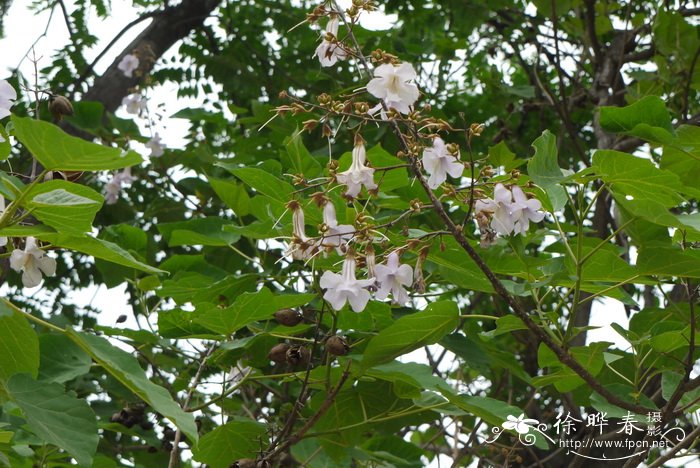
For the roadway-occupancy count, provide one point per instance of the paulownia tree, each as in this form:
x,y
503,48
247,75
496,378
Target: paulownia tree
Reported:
x,y
377,247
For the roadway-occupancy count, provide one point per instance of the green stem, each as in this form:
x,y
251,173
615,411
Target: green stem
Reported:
x,y
30,317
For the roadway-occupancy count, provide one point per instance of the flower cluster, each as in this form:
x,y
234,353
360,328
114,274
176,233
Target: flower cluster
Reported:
x,y
114,186
393,84
510,211
342,288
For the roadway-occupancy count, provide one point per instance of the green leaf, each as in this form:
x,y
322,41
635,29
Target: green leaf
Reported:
x,y
563,378
505,324
55,417
19,345
98,248
248,308
58,151
230,442
647,119
411,332
668,261
263,182
198,231
87,115
125,368
544,169
501,155
298,159
233,195
61,359
67,207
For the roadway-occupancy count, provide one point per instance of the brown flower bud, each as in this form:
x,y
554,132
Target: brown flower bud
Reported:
x,y
337,346
60,106
298,355
283,94
288,317
310,125
278,353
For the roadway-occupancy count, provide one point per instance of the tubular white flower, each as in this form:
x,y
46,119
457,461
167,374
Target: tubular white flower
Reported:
x,y
329,53
134,103
336,235
392,277
342,288
504,212
128,65
438,162
32,262
7,98
155,145
358,174
300,247
528,210
391,83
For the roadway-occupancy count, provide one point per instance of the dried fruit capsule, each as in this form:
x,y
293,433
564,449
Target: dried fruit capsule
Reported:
x,y
59,106
278,353
337,345
298,355
288,317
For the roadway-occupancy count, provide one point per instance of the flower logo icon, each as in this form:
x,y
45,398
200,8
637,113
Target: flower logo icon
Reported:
x,y
520,424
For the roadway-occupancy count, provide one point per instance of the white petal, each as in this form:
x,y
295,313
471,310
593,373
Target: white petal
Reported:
x,y
335,298
404,275
31,276
454,168
358,301
406,72
17,259
377,88
47,265
7,92
330,280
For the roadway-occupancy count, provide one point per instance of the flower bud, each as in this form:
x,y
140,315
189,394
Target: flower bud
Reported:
x,y
288,317
337,346
278,353
60,106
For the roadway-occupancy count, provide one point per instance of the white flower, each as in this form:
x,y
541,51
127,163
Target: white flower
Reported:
x,y
301,247
438,162
392,277
155,145
31,262
128,65
3,240
7,98
528,210
391,84
504,212
336,235
134,103
520,424
329,53
342,288
358,174
114,186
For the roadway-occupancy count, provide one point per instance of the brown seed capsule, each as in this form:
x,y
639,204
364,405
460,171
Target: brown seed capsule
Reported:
x,y
244,463
337,346
60,106
278,353
288,317
298,355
